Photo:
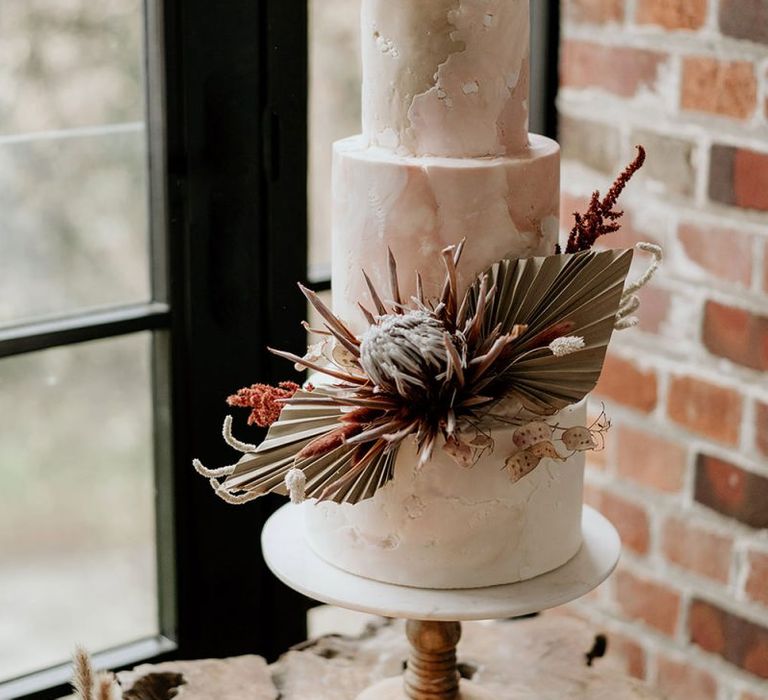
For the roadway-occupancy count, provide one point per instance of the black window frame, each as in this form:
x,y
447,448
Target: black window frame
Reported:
x,y
236,93
227,91
227,125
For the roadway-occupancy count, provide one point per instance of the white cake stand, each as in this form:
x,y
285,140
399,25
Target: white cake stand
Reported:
x,y
433,615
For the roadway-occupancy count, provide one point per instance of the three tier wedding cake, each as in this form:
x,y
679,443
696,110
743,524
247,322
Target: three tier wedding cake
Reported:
x,y
441,441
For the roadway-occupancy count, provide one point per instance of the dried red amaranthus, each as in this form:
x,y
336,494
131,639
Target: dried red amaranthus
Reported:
x,y
264,400
601,218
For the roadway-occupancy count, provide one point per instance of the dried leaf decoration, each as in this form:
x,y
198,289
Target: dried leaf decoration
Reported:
x,y
89,685
435,370
560,295
331,474
602,217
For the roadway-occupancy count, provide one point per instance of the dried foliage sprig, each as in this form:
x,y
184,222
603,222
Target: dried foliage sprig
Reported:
x,y
601,217
630,302
264,401
89,685
431,369
83,676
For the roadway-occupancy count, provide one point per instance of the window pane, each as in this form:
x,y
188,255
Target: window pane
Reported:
x,y
77,539
73,157
70,63
74,224
334,108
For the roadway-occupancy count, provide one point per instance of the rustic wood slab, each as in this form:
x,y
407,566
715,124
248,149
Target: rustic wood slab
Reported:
x,y
542,658
209,679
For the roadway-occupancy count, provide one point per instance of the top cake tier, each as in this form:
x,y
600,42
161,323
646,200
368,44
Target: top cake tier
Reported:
x,y
446,77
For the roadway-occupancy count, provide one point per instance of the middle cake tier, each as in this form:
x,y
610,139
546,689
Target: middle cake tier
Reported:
x,y
417,206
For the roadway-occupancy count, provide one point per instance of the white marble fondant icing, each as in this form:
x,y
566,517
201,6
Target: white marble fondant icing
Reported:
x,y
445,156
444,526
504,207
446,77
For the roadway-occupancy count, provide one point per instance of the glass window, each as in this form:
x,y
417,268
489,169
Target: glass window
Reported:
x,y
74,224
77,536
73,171
335,77
78,546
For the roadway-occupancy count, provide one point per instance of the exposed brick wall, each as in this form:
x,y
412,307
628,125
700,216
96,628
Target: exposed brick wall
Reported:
x,y
685,473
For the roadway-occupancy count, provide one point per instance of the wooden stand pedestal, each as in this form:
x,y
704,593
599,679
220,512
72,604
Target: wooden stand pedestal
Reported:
x,y
432,673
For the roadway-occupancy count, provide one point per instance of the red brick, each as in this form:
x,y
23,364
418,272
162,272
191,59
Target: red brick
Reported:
x,y
624,382
595,145
739,177
651,602
761,428
649,460
671,161
745,19
765,269
727,88
596,11
673,14
617,69
681,681
706,409
756,586
737,335
626,655
723,252
597,459
750,179
655,304
740,641
701,551
629,235
732,491
630,519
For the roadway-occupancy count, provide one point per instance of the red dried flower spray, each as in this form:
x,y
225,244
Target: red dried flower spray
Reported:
x,y
601,218
264,400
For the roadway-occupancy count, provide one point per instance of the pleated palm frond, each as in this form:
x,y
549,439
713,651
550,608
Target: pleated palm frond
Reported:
x,y
560,295
309,436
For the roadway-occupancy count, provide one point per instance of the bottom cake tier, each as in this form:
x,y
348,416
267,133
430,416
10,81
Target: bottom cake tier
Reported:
x,y
446,526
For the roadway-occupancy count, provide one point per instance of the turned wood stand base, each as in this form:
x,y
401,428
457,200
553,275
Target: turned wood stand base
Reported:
x,y
392,689
432,672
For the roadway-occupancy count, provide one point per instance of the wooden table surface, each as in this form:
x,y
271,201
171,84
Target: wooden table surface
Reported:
x,y
541,658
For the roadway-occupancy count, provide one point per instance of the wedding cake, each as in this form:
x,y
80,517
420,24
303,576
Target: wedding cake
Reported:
x,y
443,447
445,155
